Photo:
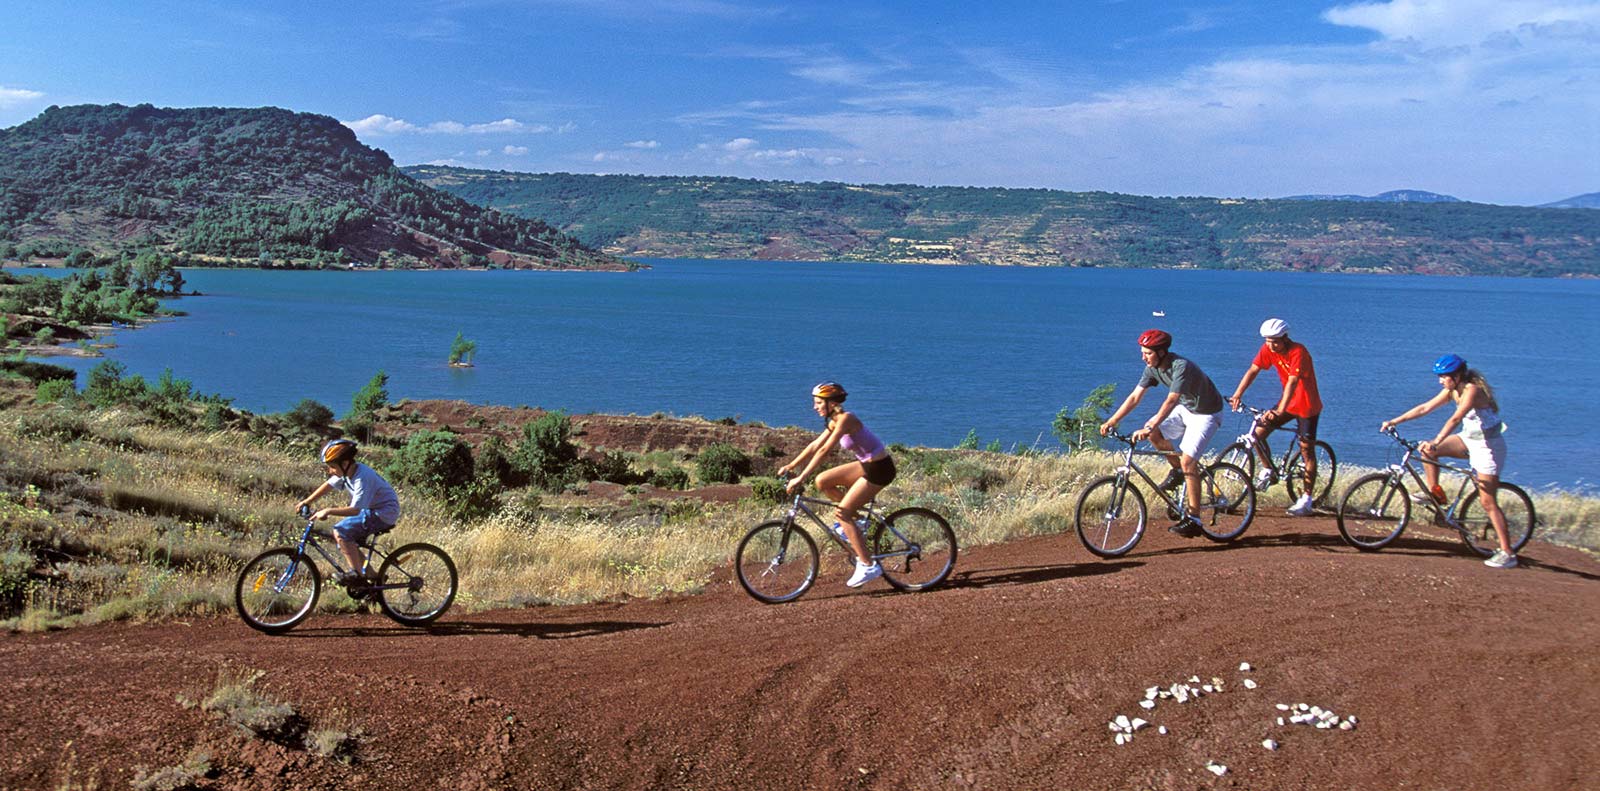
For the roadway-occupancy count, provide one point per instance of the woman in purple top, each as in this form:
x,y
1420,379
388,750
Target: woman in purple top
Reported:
x,y
851,485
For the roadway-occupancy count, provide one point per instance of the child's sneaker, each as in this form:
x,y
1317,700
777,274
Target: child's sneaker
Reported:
x,y
1266,478
1188,527
1301,507
865,573
838,532
1173,480
1501,560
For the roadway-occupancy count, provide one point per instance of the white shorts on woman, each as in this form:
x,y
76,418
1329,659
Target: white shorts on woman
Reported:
x,y
1189,431
1486,454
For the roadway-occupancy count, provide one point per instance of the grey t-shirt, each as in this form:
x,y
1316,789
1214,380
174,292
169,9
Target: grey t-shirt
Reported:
x,y
368,490
1195,390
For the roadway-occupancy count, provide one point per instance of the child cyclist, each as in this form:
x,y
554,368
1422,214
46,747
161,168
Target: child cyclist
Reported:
x,y
373,506
1480,442
1189,415
852,485
1299,402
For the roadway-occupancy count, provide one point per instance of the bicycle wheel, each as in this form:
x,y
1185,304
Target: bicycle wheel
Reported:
x,y
1373,511
1327,468
1239,455
1111,517
428,579
1479,533
920,546
1227,502
276,590
776,562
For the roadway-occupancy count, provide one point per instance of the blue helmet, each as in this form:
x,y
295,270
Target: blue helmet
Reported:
x,y
1448,364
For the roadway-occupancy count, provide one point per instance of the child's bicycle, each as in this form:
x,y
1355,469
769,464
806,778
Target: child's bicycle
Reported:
x,y
777,560
1376,508
1291,470
1111,514
278,588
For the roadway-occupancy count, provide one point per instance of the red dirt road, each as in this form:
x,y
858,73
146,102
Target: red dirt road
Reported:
x,y
1462,677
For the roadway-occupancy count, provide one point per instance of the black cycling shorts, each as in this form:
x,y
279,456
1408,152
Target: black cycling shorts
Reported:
x,y
1305,428
880,472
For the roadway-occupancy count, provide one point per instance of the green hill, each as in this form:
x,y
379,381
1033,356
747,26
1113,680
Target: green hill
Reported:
x,y
260,185
710,217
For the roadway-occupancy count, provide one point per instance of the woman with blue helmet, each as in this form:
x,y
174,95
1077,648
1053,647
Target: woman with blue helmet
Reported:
x,y
1480,441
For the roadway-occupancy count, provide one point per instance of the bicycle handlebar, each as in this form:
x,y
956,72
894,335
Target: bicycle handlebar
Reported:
x,y
1395,435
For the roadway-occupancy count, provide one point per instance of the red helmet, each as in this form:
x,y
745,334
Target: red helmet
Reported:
x,y
1155,339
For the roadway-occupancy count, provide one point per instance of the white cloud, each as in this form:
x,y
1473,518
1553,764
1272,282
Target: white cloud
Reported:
x,y
14,97
379,124
515,151
739,144
642,144
1464,22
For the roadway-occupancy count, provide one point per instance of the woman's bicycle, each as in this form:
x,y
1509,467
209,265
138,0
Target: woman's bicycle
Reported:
x,y
1111,514
1291,470
278,588
1376,508
777,561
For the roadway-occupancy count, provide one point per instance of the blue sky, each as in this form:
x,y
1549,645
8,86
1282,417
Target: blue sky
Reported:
x,y
1488,100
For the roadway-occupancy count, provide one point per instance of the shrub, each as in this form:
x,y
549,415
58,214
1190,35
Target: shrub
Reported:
x,y
669,478
38,372
109,385
721,463
970,442
372,396
546,455
435,462
53,390
493,462
769,451
767,490
234,701
1078,429
310,415
613,466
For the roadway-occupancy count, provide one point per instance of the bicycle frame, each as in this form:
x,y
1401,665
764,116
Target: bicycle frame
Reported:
x,y
308,538
1127,466
1250,441
875,522
1405,465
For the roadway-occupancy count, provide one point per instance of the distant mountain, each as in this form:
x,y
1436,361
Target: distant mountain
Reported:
x,y
247,185
1588,201
1392,196
710,217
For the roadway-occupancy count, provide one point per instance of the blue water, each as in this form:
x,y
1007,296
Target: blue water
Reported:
x,y
927,353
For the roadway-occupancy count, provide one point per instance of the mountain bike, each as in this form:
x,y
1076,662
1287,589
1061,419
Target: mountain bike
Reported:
x,y
278,588
1376,508
1111,515
1291,470
777,560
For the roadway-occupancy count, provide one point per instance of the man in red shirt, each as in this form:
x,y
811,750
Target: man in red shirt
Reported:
x,y
1300,402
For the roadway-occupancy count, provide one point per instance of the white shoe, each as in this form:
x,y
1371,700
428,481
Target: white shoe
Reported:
x,y
1301,507
838,531
1266,478
1500,560
864,574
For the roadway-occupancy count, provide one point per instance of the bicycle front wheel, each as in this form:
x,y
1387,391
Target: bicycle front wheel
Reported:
x,y
1239,455
1479,533
1321,483
417,583
916,548
1227,502
1111,517
277,590
1373,512
776,562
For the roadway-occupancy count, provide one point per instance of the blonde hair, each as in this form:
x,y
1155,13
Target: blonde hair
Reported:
x,y
1473,376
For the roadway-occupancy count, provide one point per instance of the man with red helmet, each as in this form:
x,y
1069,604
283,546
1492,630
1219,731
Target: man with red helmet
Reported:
x,y
1190,415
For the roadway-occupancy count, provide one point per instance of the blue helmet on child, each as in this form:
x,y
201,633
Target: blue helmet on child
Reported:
x,y
1448,364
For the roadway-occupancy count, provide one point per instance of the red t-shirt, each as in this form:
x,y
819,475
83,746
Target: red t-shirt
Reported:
x,y
1295,361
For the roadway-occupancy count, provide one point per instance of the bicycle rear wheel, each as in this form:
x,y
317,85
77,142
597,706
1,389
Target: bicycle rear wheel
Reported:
x,y
776,562
427,580
1227,502
1373,512
276,590
1110,517
1327,468
1479,534
921,549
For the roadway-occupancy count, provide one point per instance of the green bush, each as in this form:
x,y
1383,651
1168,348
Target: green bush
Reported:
x,y
310,415
767,490
668,478
546,455
721,463
493,462
1078,429
435,462
613,466
38,372
373,396
109,385
53,390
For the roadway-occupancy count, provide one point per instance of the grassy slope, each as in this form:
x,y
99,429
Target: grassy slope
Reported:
x,y
105,515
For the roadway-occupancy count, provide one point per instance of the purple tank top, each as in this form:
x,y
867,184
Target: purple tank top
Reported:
x,y
864,444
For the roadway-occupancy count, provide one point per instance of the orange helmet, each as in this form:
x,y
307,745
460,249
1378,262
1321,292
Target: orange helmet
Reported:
x,y
338,450
831,391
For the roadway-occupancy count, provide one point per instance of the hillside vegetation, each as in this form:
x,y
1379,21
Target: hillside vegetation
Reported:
x,y
708,217
244,186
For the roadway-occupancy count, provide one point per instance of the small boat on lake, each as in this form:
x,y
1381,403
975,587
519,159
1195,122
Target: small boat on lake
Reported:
x,y
1160,314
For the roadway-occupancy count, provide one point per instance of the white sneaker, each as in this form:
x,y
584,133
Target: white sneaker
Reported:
x,y
864,574
1301,507
838,531
1266,478
1500,560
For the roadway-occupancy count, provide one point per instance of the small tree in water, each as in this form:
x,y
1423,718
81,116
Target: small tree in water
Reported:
x,y
462,351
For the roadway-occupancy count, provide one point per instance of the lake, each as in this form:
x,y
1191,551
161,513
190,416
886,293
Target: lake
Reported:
x,y
928,353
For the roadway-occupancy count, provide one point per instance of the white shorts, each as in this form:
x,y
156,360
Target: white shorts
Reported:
x,y
1485,454
1189,431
